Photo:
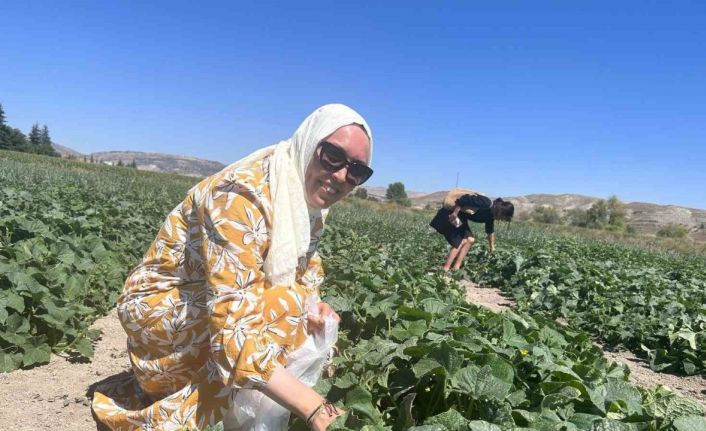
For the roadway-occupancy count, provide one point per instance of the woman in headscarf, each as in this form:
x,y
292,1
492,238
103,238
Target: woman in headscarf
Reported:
x,y
219,299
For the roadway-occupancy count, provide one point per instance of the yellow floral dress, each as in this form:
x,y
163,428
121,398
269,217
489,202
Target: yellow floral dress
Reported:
x,y
201,319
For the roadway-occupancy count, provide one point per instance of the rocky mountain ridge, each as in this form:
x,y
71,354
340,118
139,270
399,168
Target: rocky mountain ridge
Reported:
x,y
155,162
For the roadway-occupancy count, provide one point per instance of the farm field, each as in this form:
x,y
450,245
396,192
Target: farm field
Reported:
x,y
652,303
413,354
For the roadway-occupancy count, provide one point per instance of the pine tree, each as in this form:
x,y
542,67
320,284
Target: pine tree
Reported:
x,y
44,136
35,137
120,163
41,142
14,140
133,164
4,133
92,161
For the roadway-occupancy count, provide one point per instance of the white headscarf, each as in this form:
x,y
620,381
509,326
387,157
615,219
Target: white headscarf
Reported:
x,y
290,234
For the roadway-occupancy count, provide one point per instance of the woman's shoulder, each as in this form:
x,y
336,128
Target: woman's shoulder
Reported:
x,y
250,180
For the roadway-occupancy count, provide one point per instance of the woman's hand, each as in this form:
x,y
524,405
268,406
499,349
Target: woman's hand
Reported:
x,y
315,324
454,214
295,396
322,419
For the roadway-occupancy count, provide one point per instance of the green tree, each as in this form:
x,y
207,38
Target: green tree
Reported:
x,y
120,162
395,193
133,164
91,160
597,215
617,214
35,137
546,214
4,132
603,214
44,138
13,139
361,193
577,217
45,144
16,140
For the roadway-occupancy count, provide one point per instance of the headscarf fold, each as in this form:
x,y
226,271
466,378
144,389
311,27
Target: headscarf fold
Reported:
x,y
290,233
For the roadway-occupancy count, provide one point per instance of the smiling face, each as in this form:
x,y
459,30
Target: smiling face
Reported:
x,y
324,188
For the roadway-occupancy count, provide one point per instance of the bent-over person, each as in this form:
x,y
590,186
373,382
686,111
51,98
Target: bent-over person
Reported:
x,y
461,207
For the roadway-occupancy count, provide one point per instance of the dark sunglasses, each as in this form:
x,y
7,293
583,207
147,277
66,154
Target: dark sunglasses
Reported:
x,y
333,159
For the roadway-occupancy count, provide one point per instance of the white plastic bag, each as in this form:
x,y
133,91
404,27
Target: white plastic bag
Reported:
x,y
254,411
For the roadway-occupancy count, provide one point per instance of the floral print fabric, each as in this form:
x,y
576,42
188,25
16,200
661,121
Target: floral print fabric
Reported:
x,y
201,318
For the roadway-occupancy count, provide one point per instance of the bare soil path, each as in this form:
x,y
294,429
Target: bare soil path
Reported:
x,y
693,387
56,396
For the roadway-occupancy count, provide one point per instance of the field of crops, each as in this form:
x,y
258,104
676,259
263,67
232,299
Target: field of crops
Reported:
x,y
69,233
412,353
651,303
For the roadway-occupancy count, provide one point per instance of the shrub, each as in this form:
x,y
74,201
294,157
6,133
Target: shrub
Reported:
x,y
673,231
546,214
361,193
578,217
396,193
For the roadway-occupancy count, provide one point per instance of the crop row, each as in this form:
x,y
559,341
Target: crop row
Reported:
x,y
69,232
414,355
651,303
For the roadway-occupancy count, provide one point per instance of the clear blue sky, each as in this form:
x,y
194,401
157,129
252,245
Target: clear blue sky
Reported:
x,y
519,97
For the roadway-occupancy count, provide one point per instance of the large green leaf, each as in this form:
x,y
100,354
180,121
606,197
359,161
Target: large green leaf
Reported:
x,y
690,423
36,355
625,392
360,401
10,361
450,420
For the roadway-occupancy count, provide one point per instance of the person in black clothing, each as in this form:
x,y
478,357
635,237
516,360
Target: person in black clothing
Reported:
x,y
476,208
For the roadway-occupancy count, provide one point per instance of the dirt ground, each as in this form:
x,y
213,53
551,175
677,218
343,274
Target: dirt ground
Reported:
x,y
693,387
57,396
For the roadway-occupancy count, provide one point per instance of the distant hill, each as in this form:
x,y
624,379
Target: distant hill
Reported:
x,y
66,151
645,217
159,162
156,162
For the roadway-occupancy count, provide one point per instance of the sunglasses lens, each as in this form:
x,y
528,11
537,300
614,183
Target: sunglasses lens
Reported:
x,y
358,174
331,158
334,159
